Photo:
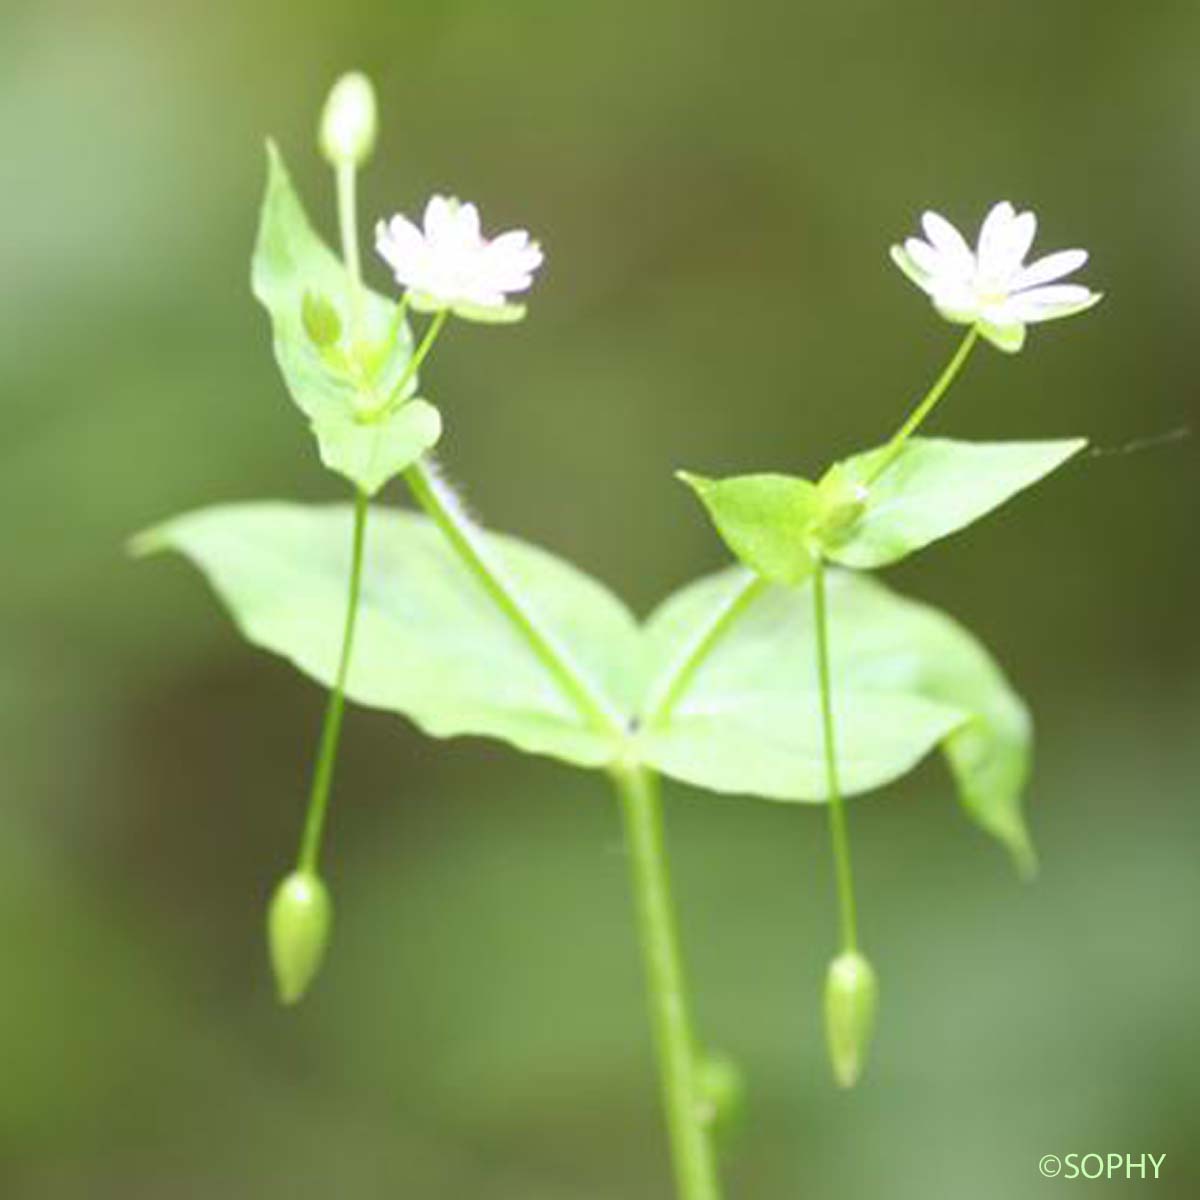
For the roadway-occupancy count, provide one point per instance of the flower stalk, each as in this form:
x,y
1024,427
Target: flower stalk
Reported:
x,y
918,415
838,832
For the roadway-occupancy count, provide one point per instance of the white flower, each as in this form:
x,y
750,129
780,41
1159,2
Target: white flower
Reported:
x,y
450,264
991,287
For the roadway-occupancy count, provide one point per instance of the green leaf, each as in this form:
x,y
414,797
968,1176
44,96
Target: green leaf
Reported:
x,y
764,520
433,647
334,378
371,454
430,643
906,678
934,488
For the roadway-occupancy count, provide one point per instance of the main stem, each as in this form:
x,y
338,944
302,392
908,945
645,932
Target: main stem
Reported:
x,y
691,1148
838,833
318,805
692,1155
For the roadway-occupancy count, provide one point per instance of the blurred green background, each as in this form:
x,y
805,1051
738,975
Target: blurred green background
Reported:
x,y
716,184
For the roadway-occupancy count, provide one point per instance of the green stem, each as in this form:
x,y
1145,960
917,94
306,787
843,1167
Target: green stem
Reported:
x,y
397,321
441,505
318,805
641,807
681,675
347,205
691,1148
922,410
838,833
431,334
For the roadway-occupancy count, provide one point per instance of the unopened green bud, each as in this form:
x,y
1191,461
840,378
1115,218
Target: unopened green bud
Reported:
x,y
722,1091
298,932
851,997
349,121
841,501
321,320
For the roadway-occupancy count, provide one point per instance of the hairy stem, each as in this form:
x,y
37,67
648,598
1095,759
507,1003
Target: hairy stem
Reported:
x,y
691,1147
927,405
838,833
442,506
318,804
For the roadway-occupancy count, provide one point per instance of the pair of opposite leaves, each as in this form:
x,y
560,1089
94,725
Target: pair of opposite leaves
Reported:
x,y
432,646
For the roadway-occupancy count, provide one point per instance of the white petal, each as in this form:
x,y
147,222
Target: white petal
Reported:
x,y
515,250
439,219
925,256
1021,232
1051,303
994,236
901,258
956,300
948,242
1007,250
483,296
1052,266
467,229
401,244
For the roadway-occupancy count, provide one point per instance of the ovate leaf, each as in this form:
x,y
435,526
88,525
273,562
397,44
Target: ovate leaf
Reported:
x,y
906,678
341,364
431,644
763,519
934,488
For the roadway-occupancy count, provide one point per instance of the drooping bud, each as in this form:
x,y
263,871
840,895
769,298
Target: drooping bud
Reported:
x,y
851,996
348,121
722,1091
298,932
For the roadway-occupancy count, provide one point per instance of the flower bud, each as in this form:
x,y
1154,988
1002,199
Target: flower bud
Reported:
x,y
851,995
842,501
348,121
298,932
722,1091
320,320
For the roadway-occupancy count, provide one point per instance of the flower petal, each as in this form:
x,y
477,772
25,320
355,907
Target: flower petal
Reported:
x,y
925,257
903,260
1052,266
956,300
948,242
467,229
1007,244
402,246
994,237
1054,302
439,220
1021,232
